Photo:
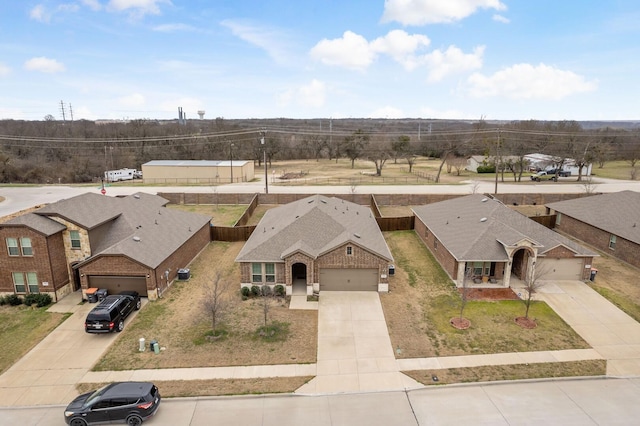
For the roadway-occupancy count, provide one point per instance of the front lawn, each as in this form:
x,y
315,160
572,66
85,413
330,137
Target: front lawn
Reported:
x,y
422,300
23,327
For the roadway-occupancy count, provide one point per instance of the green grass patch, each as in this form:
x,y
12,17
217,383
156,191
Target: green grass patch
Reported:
x,y
613,170
620,300
274,332
222,214
21,328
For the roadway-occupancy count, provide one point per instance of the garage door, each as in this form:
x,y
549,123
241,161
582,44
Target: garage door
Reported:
x,y
117,284
560,269
348,280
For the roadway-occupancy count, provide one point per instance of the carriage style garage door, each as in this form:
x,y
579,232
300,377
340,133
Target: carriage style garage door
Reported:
x,y
348,280
560,269
117,284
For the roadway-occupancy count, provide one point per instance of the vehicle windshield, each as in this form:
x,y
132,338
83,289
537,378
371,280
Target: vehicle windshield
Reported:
x,y
94,396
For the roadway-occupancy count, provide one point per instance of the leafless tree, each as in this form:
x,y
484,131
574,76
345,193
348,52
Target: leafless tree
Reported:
x,y
215,300
588,186
379,157
266,301
399,147
531,286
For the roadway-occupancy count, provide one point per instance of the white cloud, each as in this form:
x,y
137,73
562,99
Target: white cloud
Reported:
x,y
43,64
132,100
500,18
421,12
137,8
39,13
4,70
269,40
451,61
310,95
401,47
351,51
525,81
92,4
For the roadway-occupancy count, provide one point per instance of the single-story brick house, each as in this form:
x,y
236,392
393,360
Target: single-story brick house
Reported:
x,y
317,244
128,243
609,222
480,242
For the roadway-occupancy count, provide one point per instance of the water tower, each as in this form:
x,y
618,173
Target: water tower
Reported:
x,y
201,114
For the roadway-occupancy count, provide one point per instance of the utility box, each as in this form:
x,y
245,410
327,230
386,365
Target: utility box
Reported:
x,y
392,270
184,274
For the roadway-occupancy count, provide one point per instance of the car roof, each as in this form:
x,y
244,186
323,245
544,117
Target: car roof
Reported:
x,y
128,389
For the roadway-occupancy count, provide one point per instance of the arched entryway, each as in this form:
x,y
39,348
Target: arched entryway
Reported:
x,y
299,278
520,263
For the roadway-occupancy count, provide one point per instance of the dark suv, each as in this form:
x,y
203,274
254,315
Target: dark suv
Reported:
x,y
131,402
110,314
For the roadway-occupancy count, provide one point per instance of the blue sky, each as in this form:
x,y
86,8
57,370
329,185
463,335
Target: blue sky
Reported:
x,y
463,59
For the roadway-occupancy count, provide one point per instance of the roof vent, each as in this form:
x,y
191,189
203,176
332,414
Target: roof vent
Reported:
x,y
136,196
323,201
310,201
484,200
484,219
356,235
136,239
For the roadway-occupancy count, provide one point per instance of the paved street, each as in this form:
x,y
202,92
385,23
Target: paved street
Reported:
x,y
559,402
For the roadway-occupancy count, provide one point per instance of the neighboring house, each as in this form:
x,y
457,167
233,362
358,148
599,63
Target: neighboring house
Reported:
x,y
317,244
197,171
480,240
547,162
609,222
475,161
129,243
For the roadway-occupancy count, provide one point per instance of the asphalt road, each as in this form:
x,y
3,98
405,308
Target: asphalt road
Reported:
x,y
18,198
554,402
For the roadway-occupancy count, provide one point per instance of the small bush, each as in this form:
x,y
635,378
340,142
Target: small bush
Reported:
x,y
30,299
266,290
245,292
14,300
255,290
486,169
279,290
3,301
38,299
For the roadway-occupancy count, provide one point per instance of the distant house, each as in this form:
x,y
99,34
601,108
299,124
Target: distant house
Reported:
x,y
609,222
481,242
475,161
197,171
129,243
316,244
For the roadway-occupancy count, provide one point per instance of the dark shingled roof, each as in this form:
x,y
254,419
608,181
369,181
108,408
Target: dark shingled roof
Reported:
x,y
138,226
314,225
476,228
617,213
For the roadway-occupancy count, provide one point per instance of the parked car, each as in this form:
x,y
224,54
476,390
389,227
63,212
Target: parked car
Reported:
x,y
130,402
110,314
560,173
540,176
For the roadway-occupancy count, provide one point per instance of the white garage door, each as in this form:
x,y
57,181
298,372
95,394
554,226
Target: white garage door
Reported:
x,y
348,279
560,269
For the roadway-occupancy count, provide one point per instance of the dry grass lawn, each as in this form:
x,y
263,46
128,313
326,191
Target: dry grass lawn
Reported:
x,y
178,322
422,300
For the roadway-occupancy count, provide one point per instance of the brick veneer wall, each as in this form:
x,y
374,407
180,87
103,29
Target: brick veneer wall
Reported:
x,y
446,260
52,271
625,250
359,259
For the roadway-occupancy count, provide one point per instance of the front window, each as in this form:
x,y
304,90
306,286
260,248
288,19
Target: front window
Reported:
x,y
75,239
256,272
612,242
270,272
481,268
12,247
32,282
25,244
18,282
349,250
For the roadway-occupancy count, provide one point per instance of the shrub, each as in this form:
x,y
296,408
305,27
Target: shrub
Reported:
x,y
43,299
30,299
14,300
245,292
266,290
487,169
279,290
3,301
255,290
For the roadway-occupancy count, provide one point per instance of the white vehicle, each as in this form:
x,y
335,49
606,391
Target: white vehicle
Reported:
x,y
122,174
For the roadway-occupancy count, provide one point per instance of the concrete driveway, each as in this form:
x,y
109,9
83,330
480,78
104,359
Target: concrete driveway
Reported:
x,y
354,348
49,372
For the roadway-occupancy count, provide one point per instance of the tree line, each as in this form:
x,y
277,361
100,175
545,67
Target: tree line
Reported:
x,y
52,151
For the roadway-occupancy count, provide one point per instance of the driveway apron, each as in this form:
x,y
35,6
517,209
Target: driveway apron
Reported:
x,y
611,332
354,349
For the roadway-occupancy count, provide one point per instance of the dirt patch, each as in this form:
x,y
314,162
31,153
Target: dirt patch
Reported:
x,y
460,323
489,293
525,322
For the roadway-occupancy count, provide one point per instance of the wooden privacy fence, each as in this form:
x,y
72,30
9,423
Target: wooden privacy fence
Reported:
x,y
548,220
404,223
231,233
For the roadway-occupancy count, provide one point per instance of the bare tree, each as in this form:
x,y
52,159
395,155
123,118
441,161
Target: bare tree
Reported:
x,y
267,299
378,157
215,301
531,286
588,185
411,160
399,147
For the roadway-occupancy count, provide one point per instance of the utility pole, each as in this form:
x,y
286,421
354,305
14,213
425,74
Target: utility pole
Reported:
x,y
231,157
62,110
495,192
264,153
